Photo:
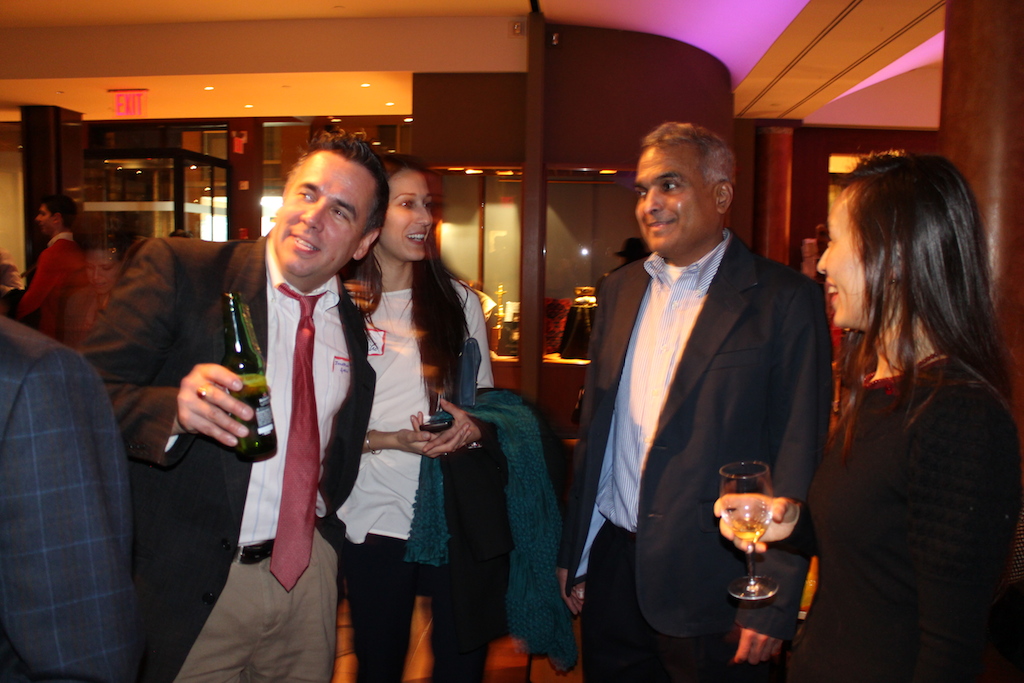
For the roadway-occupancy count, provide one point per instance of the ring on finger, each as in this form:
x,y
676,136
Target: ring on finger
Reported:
x,y
202,392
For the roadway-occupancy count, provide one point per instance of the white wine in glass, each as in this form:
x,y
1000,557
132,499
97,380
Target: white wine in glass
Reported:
x,y
746,492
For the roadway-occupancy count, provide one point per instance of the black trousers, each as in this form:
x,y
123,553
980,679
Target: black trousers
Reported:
x,y
620,646
382,590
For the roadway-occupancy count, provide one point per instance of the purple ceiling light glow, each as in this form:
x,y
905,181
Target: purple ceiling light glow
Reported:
x,y
927,53
737,32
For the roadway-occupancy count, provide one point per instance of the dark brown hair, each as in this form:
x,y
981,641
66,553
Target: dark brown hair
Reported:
x,y
437,311
920,238
62,204
358,151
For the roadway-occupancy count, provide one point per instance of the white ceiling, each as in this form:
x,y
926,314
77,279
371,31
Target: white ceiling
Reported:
x,y
788,58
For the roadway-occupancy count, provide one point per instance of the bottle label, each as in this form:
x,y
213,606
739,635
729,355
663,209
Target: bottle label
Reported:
x,y
255,393
264,417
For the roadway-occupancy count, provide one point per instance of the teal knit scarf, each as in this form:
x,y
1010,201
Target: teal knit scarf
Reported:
x,y
536,614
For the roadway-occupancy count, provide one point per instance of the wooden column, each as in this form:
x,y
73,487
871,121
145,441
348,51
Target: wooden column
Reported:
x,y
981,132
773,187
245,152
534,235
53,141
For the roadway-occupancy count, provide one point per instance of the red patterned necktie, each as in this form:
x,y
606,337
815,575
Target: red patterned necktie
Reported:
x,y
302,464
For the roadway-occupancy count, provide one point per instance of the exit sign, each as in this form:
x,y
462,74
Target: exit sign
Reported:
x,y
129,102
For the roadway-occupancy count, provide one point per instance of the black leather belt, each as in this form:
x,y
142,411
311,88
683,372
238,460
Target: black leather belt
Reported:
x,y
251,554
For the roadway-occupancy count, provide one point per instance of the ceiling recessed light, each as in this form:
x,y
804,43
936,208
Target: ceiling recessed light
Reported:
x,y
248,106
364,85
335,120
408,119
473,171
209,87
389,104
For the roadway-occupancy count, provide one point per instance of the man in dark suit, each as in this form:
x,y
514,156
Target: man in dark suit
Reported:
x,y
702,354
67,608
219,589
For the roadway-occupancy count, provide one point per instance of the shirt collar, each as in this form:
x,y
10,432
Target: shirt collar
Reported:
x,y
275,279
705,268
62,235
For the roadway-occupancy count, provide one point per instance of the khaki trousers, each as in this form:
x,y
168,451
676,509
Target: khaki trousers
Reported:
x,y
258,632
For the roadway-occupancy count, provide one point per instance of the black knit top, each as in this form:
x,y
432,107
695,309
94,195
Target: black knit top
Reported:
x,y
912,533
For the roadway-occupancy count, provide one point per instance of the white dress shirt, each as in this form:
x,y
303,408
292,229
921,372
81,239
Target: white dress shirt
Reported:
x,y
331,380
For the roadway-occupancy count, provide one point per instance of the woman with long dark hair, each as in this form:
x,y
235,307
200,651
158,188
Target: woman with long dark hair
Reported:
x,y
418,319
913,507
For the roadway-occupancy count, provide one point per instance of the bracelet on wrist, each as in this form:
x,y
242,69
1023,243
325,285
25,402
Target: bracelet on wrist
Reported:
x,y
370,448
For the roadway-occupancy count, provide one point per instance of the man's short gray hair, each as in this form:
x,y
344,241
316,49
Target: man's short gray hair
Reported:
x,y
717,162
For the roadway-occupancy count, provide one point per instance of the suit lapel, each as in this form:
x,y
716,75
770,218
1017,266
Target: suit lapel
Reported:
x,y
626,307
337,466
723,306
247,275
251,281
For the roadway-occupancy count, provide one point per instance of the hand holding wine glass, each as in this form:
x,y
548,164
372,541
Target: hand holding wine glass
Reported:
x,y
746,507
785,514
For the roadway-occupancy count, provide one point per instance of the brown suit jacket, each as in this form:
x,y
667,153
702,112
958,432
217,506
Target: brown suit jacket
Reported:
x,y
164,317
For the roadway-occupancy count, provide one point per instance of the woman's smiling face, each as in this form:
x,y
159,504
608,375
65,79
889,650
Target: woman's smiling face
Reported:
x,y
408,221
843,268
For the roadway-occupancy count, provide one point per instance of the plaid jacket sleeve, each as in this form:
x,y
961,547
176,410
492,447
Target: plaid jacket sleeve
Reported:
x,y
67,605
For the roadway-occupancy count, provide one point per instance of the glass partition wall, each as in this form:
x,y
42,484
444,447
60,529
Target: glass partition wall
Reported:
x,y
154,192
12,207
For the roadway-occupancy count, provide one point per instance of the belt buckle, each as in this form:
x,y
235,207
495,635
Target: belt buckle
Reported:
x,y
257,552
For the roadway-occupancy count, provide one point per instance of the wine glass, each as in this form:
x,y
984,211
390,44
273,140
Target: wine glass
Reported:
x,y
746,493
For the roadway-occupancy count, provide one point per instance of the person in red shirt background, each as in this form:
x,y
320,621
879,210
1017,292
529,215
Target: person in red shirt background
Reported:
x,y
61,267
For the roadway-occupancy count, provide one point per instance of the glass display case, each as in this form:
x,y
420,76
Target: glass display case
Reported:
x,y
154,192
590,215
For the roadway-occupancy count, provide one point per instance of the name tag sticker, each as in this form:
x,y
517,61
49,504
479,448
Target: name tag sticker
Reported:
x,y
377,341
341,364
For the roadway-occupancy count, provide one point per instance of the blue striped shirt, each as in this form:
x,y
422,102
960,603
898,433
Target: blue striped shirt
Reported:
x,y
663,324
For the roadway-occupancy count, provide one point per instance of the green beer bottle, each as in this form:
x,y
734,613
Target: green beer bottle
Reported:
x,y
242,356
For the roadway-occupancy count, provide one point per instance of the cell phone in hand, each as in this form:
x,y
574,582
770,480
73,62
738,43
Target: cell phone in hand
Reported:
x,y
437,425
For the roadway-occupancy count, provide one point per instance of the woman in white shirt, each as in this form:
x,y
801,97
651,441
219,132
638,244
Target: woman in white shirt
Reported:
x,y
418,318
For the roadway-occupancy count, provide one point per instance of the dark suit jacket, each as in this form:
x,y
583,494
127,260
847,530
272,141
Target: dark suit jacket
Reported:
x,y
67,608
752,384
163,318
